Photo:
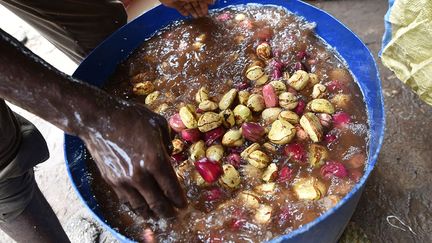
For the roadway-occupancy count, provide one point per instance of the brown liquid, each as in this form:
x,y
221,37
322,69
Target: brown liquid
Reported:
x,y
179,70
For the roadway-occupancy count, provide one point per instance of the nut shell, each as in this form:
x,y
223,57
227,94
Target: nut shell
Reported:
x,y
317,155
232,138
258,159
243,97
151,97
254,72
289,116
208,105
245,154
227,99
230,177
281,132
320,106
242,114
197,150
270,173
278,86
188,117
318,91
202,95
227,117
143,88
256,103
209,121
312,126
288,100
270,115
215,152
263,51
299,80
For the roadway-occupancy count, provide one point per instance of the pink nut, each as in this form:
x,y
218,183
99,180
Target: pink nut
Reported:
x,y
285,174
325,119
295,152
214,194
209,170
213,135
191,135
253,131
333,168
300,107
234,159
176,123
270,97
341,119
224,17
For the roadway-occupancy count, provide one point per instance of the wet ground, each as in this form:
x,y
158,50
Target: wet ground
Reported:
x,y
396,197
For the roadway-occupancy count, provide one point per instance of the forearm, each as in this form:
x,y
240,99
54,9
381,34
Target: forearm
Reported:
x,y
29,82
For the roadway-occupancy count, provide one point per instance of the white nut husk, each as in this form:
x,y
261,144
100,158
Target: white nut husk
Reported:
x,y
197,150
243,97
312,126
299,80
245,153
262,80
188,118
255,72
317,155
313,78
270,172
240,17
143,88
215,152
178,146
230,177
266,188
320,106
288,100
202,95
309,188
270,115
249,199
151,97
263,51
208,105
278,86
318,91
209,121
227,99
256,102
232,138
258,159
263,214
281,132
242,114
289,116
227,117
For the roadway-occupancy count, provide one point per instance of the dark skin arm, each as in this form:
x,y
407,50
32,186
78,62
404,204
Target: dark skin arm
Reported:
x,y
129,143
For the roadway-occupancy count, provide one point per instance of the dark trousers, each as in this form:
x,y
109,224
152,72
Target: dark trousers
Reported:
x,y
76,27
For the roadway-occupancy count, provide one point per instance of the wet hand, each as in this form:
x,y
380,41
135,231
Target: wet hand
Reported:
x,y
131,147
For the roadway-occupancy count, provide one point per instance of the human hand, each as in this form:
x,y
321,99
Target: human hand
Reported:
x,y
131,147
196,8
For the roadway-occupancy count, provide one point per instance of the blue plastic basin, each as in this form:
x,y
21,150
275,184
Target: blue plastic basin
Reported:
x,y
102,62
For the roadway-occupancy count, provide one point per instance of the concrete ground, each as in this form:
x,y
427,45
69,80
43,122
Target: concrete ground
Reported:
x,y
395,206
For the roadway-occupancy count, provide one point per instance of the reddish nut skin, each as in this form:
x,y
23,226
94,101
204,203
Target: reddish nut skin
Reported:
x,y
276,65
356,175
209,170
234,159
178,158
242,85
330,138
335,86
333,168
176,123
224,17
300,107
252,131
276,74
270,97
301,134
214,194
213,135
298,66
296,153
285,174
300,55
341,119
356,161
191,135
236,150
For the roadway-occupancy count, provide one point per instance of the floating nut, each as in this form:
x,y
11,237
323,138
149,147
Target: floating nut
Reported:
x,y
209,121
208,105
309,188
318,91
227,99
288,100
278,86
215,152
263,214
243,97
317,155
232,138
178,146
242,114
270,96
270,173
254,72
321,106
270,148
256,103
266,188
289,116
188,118
227,117
198,179
270,115
183,168
312,126
252,131
313,79
299,80
197,150
151,97
341,101
162,108
285,76
249,199
230,177
325,119
281,132
143,88
245,154
262,80
258,159
263,50
176,123
201,38
240,17
198,45
202,95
